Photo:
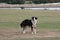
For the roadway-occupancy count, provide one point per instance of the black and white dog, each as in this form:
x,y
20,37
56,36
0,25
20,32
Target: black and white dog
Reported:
x,y
31,23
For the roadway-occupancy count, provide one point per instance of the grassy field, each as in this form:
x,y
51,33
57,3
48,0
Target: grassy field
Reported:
x,y
48,26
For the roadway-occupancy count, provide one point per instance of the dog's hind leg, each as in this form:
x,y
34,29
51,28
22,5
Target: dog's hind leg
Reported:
x,y
24,30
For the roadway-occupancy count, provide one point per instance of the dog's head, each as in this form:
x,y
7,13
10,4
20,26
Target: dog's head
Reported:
x,y
34,18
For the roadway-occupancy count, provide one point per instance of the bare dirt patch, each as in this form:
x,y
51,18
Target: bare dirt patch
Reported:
x,y
11,33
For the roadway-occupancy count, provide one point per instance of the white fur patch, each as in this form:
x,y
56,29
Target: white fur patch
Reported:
x,y
35,31
24,32
34,22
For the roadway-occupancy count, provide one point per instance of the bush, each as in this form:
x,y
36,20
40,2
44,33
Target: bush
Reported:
x,y
13,1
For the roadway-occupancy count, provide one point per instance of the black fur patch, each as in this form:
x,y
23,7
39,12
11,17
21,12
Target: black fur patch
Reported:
x,y
26,22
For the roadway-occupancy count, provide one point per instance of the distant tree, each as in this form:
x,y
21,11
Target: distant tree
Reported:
x,y
45,1
23,1
2,0
13,1
36,1
16,1
39,1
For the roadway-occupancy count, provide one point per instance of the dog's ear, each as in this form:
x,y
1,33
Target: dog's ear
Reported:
x,y
36,18
32,18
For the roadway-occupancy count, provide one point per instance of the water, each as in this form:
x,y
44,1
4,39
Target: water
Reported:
x,y
35,8
44,8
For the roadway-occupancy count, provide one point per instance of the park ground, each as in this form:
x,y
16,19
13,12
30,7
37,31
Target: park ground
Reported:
x,y
48,26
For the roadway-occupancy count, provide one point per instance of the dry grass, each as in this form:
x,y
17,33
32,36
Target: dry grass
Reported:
x,y
48,27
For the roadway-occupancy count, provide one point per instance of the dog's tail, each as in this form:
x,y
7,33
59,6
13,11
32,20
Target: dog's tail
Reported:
x,y
21,25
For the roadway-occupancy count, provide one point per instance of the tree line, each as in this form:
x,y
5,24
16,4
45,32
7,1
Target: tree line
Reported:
x,y
13,1
33,1
45,1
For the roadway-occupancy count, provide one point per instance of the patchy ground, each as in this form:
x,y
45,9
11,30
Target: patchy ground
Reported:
x,y
13,34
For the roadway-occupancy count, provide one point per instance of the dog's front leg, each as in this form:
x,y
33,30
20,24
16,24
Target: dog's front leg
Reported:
x,y
34,30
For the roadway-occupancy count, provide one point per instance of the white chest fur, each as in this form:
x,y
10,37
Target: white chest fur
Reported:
x,y
34,22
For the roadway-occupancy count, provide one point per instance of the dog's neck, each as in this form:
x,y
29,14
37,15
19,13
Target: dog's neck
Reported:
x,y
34,22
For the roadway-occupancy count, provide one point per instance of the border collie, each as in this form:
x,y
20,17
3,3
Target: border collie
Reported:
x,y
31,23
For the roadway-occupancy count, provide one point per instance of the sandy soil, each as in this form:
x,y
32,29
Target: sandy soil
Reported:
x,y
10,33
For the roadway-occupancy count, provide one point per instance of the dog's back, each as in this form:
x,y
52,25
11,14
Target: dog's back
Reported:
x,y
26,22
